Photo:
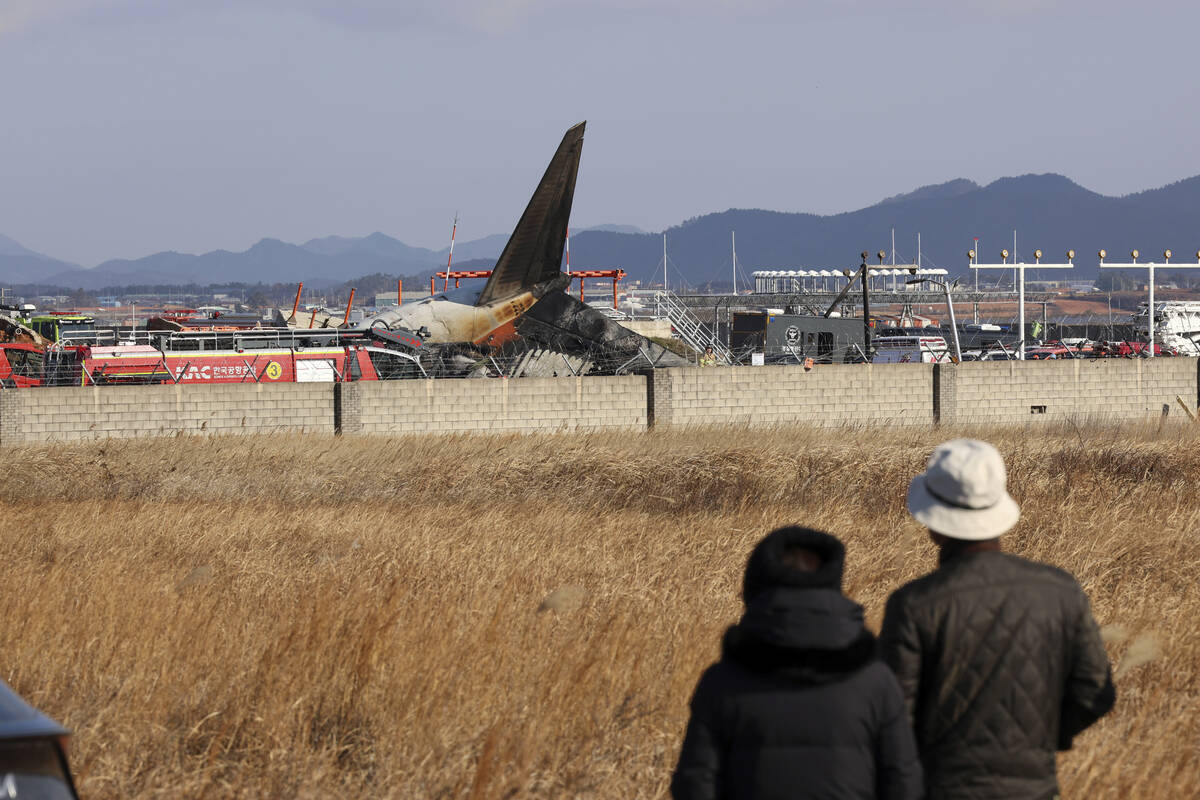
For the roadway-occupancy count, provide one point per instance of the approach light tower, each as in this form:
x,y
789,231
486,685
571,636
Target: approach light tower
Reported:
x,y
1149,266
1020,270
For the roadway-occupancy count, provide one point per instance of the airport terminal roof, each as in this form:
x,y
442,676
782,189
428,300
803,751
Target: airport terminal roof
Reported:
x,y
833,273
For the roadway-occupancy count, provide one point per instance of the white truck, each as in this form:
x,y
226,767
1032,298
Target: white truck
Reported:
x,y
915,349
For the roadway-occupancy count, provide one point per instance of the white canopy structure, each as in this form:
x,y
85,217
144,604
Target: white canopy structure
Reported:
x,y
795,281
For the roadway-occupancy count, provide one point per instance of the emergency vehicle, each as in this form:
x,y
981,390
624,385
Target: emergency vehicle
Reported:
x,y
67,328
916,349
259,356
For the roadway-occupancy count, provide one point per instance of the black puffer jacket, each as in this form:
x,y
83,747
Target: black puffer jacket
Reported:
x,y
798,706
1001,664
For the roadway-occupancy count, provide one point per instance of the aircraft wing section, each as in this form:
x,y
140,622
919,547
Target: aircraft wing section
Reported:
x,y
534,251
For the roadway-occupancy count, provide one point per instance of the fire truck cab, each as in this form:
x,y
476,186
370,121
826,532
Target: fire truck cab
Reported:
x,y
21,365
65,328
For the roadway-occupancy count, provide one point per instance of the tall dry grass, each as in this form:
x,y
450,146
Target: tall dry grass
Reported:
x,y
321,617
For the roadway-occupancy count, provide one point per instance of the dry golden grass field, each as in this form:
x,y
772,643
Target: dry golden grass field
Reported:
x,y
319,617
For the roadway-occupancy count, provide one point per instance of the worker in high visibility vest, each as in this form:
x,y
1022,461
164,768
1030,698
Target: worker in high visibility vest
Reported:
x,y
709,359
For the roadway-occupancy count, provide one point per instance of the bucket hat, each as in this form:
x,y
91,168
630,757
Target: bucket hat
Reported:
x,y
962,492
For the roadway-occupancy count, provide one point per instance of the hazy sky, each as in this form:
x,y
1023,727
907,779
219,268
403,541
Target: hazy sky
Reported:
x,y
132,126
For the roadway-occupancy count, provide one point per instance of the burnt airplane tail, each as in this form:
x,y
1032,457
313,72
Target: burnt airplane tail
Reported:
x,y
534,252
563,323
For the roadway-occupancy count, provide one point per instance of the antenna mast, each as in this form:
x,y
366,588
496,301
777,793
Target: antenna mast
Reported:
x,y
664,262
976,272
450,259
733,239
894,281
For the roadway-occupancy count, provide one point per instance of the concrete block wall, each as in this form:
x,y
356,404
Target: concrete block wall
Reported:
x,y
99,412
1100,389
827,395
522,405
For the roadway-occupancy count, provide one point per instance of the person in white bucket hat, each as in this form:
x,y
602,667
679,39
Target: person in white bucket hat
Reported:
x,y
963,494
999,657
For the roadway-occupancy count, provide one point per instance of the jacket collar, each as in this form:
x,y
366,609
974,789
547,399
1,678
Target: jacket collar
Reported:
x,y
811,636
956,548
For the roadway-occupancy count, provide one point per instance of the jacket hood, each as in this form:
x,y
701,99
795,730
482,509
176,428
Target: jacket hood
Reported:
x,y
811,636
766,568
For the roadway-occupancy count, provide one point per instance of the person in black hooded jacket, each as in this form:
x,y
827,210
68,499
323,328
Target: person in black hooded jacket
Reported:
x,y
798,706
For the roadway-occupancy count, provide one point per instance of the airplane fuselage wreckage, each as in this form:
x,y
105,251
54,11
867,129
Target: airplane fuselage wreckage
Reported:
x,y
524,307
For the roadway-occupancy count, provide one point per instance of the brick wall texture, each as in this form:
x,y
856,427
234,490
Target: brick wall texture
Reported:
x,y
1100,389
100,412
827,395
522,405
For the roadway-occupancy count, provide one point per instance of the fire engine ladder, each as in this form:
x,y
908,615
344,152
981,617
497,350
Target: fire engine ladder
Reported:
x,y
695,333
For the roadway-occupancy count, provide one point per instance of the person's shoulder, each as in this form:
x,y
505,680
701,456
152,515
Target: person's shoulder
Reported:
x,y
1040,572
876,686
724,685
985,569
914,589
722,677
879,676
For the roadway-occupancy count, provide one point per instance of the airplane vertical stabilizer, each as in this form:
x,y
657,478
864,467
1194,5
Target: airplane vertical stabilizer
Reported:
x,y
535,249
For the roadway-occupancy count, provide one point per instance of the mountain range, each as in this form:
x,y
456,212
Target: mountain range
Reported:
x,y
1047,211
325,261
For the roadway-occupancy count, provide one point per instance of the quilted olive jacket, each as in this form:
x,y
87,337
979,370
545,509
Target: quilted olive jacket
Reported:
x,y
1001,664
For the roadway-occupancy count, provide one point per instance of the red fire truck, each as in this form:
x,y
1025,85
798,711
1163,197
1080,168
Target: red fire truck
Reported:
x,y
247,357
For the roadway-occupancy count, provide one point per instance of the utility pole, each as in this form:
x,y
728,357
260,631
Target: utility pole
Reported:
x,y
977,274
894,278
950,306
733,240
866,306
975,260
664,262
450,258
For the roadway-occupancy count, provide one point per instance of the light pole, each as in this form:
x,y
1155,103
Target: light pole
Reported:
x,y
1019,269
1149,267
949,304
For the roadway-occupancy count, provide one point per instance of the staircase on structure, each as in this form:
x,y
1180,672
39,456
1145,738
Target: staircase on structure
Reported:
x,y
695,333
